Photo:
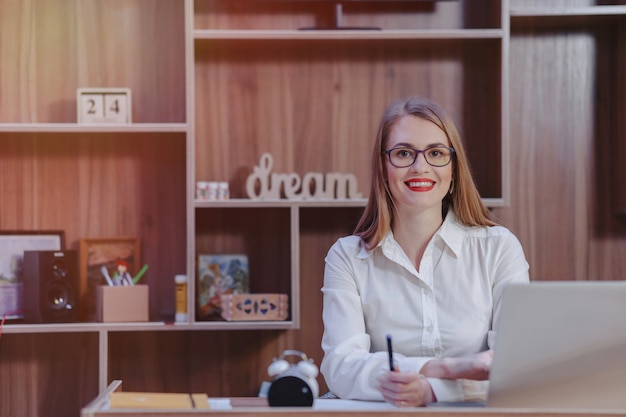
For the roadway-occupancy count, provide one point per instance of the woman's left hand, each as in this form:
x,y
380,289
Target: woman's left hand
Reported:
x,y
474,367
406,389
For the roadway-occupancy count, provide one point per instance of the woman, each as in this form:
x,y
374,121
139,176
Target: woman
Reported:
x,y
426,264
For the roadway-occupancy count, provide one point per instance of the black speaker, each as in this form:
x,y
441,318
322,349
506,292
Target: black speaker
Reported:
x,y
51,286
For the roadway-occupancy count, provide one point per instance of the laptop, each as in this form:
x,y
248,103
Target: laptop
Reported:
x,y
561,344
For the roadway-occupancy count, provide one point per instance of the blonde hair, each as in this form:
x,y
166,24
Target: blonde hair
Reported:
x,y
378,216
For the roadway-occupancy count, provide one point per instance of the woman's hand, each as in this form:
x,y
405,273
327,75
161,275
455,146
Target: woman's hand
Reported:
x,y
406,389
474,367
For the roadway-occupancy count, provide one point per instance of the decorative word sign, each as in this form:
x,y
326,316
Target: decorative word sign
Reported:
x,y
103,105
262,184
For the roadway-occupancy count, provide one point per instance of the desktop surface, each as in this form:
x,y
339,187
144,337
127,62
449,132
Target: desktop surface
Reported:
x,y
254,406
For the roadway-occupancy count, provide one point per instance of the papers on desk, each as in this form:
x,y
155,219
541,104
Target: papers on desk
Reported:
x,y
220,404
338,404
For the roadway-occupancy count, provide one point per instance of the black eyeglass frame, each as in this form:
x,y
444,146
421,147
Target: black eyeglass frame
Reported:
x,y
418,152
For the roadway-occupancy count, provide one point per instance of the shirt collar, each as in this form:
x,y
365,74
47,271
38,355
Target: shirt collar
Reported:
x,y
451,233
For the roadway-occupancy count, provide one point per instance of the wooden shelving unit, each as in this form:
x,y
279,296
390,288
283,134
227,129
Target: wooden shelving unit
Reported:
x,y
216,83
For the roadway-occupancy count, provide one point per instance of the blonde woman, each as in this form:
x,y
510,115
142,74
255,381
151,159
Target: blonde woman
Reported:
x,y
426,265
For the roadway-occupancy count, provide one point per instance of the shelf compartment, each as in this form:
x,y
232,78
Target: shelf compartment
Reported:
x,y
193,361
93,184
64,45
59,371
265,236
249,97
294,15
566,17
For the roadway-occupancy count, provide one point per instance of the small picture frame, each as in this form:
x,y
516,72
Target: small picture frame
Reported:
x,y
219,275
104,105
12,247
96,253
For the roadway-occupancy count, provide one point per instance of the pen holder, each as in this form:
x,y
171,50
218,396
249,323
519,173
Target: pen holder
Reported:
x,y
122,303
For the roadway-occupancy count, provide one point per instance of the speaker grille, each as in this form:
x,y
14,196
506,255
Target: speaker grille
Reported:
x,y
51,286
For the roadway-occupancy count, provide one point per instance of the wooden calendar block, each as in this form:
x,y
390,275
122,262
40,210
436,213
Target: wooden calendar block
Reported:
x,y
104,105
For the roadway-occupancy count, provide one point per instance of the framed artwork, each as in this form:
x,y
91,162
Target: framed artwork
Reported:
x,y
99,253
219,275
12,247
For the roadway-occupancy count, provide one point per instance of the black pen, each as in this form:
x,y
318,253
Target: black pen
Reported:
x,y
390,352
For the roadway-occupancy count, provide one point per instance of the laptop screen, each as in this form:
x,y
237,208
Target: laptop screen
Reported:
x,y
561,344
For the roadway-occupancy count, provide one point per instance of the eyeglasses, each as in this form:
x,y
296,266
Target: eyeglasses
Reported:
x,y
437,156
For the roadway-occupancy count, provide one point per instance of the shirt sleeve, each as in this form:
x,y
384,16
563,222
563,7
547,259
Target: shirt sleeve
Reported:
x,y
447,390
349,369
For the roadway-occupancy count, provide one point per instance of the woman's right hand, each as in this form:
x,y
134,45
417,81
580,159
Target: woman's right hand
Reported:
x,y
406,389
474,367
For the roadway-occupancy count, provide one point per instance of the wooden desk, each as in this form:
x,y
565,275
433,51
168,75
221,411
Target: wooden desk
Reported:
x,y
255,407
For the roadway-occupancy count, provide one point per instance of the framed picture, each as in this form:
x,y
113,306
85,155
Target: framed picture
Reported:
x,y
219,275
12,247
96,253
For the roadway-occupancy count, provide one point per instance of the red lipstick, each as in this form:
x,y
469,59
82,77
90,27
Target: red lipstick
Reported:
x,y
420,184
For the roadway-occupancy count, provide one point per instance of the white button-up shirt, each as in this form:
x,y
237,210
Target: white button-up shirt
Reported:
x,y
447,309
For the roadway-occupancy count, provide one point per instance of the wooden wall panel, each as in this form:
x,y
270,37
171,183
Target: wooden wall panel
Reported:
x,y
321,227
618,144
231,363
607,249
50,48
559,206
47,374
551,137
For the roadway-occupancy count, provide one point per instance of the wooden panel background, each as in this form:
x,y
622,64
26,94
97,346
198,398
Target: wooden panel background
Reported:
x,y
281,14
47,374
50,48
617,40
563,107
315,105
567,106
